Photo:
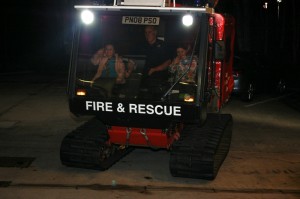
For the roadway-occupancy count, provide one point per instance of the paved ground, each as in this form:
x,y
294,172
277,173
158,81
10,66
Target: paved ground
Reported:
x,y
263,162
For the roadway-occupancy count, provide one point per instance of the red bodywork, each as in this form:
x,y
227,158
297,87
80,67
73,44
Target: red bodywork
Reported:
x,y
223,75
155,138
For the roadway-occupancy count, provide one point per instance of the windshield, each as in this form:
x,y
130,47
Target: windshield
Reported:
x,y
131,56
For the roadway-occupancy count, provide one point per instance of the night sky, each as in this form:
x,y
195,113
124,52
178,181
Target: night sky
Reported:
x,y
36,35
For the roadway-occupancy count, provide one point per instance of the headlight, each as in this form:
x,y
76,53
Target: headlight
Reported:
x,y
187,20
81,92
87,17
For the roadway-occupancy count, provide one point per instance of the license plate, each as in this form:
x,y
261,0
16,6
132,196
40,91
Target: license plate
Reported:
x,y
138,20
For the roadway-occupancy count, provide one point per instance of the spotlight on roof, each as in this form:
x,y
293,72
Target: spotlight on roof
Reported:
x,y
87,17
187,20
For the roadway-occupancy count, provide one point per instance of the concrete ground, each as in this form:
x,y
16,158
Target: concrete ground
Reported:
x,y
263,162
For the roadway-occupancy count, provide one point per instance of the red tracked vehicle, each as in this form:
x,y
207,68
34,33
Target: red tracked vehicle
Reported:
x,y
182,117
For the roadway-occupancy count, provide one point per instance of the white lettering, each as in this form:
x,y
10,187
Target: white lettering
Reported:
x,y
94,106
133,108
150,110
109,107
142,109
156,110
177,110
88,104
99,106
168,110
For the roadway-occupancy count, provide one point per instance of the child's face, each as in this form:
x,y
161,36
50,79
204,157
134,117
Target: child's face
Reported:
x,y
181,52
100,52
109,50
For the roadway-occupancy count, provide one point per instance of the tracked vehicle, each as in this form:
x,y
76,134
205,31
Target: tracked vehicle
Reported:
x,y
172,114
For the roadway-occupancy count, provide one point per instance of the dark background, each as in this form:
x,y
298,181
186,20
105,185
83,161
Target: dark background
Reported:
x,y
36,34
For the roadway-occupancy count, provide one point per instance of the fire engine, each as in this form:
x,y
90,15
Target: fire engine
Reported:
x,y
131,109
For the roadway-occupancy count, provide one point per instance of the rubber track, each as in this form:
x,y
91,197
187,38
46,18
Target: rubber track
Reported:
x,y
200,151
86,147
